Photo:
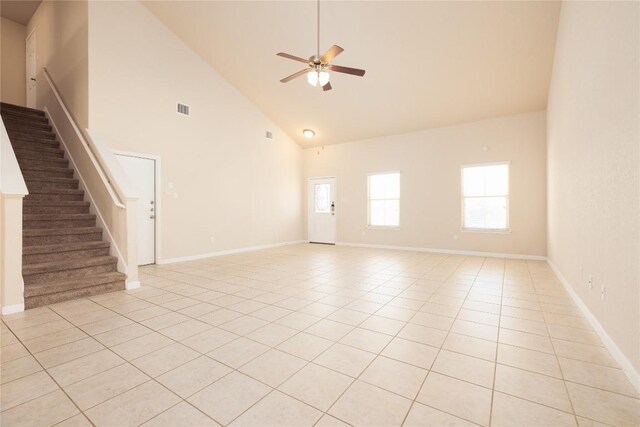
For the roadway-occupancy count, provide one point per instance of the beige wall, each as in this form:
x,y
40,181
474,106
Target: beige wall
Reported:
x,y
232,188
593,161
61,46
429,163
12,62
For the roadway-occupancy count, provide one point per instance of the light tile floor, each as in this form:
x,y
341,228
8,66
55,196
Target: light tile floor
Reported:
x,y
317,335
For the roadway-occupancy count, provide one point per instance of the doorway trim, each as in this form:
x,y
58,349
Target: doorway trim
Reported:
x,y
157,229
32,33
309,206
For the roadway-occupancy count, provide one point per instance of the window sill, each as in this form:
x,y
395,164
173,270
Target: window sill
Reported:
x,y
383,227
487,230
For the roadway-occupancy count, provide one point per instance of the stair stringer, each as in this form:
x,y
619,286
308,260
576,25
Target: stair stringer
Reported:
x,y
100,222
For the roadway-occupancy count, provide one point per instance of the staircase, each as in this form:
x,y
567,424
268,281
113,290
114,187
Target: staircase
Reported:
x,y
63,254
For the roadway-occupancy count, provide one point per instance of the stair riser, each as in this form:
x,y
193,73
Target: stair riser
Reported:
x,y
43,163
39,301
44,209
23,118
10,112
41,185
27,126
63,238
39,152
61,256
16,139
31,133
37,145
16,109
55,197
71,223
68,274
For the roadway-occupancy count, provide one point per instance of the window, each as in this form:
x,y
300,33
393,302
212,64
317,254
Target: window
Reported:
x,y
384,199
322,197
485,197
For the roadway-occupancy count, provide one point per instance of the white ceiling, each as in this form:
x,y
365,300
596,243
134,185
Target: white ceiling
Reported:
x,y
429,64
19,11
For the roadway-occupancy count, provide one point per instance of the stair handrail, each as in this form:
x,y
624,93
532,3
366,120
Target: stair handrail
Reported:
x,y
11,179
97,153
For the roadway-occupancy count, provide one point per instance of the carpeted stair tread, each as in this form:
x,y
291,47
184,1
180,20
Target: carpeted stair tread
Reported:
x,y
27,125
56,217
72,264
38,170
57,203
50,152
28,160
54,206
31,132
23,116
60,180
8,115
26,110
56,191
21,144
64,247
73,284
60,231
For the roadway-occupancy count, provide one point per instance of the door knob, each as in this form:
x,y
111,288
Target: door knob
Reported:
x,y
33,79
152,216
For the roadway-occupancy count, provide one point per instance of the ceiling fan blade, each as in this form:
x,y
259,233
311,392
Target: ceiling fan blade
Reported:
x,y
331,53
326,87
347,70
294,75
295,58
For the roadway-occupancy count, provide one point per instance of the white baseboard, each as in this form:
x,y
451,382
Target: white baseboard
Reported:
x,y
446,251
227,252
14,308
618,355
132,284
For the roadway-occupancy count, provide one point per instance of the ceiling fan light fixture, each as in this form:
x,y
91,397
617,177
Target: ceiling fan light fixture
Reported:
x,y
323,77
312,78
308,133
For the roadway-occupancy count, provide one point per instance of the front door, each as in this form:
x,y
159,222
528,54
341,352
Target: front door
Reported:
x,y
31,70
142,175
322,210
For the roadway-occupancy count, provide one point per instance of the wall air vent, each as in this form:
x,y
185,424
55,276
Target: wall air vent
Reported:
x,y
183,109
268,134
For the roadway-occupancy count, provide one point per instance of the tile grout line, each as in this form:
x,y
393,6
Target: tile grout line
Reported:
x,y
495,365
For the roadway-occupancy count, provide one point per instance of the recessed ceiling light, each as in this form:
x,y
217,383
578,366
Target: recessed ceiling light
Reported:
x,y
308,133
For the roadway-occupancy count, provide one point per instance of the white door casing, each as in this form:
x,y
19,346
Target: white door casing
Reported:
x,y
31,70
142,175
322,222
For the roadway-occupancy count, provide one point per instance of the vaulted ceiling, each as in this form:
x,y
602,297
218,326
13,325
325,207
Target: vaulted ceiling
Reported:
x,y
429,64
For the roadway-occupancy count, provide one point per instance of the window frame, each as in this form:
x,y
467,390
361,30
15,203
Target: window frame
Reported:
x,y
507,228
383,227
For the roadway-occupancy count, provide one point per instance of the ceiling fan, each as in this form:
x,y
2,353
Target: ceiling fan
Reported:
x,y
318,67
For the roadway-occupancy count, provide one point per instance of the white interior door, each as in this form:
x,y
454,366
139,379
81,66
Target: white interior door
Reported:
x,y
142,175
322,210
31,70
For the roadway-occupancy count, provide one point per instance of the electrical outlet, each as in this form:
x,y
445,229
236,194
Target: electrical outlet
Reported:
x,y
590,282
602,292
